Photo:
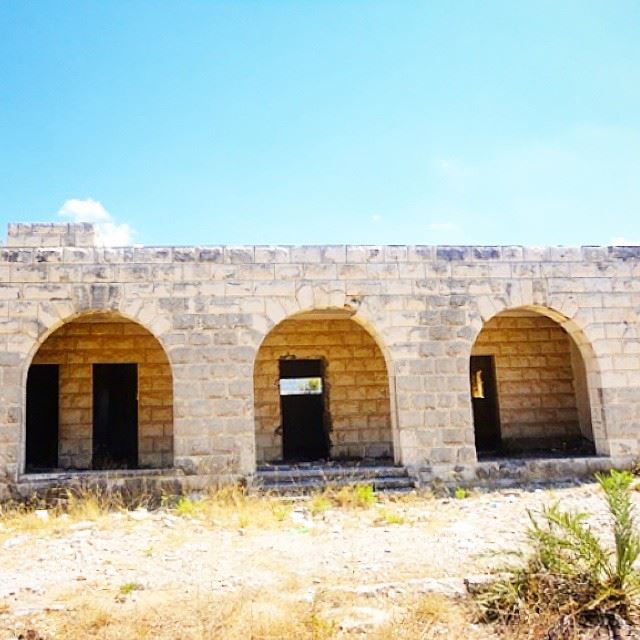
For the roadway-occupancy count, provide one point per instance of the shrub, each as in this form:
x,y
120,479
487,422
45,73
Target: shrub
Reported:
x,y
569,572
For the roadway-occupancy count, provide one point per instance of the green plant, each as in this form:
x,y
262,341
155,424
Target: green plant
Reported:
x,y
460,493
186,507
129,587
319,503
391,517
364,495
569,570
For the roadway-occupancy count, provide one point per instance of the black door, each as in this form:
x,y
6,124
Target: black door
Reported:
x,y
42,416
304,435
484,397
115,416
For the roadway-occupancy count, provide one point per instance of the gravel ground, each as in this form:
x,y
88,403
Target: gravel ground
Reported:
x,y
436,545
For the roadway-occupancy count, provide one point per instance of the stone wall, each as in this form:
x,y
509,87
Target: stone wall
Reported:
x,y
356,386
211,307
78,345
534,375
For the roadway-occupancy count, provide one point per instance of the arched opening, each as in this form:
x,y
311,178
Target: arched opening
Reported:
x,y
529,388
321,392
99,396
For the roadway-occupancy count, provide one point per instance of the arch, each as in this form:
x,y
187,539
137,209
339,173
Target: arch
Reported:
x,y
358,383
118,344
547,383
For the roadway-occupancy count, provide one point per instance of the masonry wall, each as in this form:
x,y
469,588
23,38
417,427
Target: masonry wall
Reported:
x,y
80,344
356,386
211,307
534,375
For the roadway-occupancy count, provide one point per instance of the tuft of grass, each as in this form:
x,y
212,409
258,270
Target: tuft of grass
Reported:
x,y
358,496
129,587
280,510
187,507
98,618
569,572
319,503
391,517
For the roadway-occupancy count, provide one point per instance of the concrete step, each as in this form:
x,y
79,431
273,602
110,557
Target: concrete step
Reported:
x,y
330,473
304,479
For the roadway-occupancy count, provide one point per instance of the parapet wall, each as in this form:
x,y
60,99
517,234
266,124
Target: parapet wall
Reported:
x,y
211,307
56,234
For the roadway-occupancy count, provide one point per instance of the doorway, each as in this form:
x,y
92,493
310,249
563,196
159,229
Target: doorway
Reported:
x,y
115,416
42,416
484,399
302,405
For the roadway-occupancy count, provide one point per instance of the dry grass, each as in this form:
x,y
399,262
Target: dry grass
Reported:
x,y
71,507
429,617
229,507
264,615
357,496
245,616
232,507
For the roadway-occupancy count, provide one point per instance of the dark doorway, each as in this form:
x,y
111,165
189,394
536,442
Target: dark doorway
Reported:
x,y
115,416
304,436
42,417
484,398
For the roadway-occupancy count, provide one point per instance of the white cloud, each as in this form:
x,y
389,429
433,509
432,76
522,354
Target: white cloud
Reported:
x,y
376,218
110,233
443,226
621,241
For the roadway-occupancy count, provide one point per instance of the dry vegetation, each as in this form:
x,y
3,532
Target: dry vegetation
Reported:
x,y
256,616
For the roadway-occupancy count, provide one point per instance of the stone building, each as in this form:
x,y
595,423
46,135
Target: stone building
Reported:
x,y
199,363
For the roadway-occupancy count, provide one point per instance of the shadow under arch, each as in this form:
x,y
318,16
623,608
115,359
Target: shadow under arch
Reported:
x,y
586,377
134,345
269,423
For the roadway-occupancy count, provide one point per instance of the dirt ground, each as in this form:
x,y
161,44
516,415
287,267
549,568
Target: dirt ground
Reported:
x,y
187,573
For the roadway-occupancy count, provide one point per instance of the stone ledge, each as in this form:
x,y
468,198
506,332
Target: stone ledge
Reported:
x,y
133,480
75,252
510,472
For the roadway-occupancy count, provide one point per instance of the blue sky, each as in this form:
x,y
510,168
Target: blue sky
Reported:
x,y
277,121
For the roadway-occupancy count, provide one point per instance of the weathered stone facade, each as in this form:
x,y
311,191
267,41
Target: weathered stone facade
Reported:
x,y
357,386
96,338
538,380
211,308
